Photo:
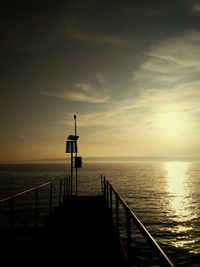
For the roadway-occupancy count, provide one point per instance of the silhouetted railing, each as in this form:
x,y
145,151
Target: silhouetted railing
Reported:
x,y
22,213
53,196
114,202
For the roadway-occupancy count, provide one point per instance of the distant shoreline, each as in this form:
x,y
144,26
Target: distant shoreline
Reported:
x,y
107,159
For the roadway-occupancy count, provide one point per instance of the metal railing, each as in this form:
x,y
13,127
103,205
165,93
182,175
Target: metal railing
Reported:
x,y
39,202
114,201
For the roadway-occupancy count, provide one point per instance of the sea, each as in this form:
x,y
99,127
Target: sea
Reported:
x,y
165,196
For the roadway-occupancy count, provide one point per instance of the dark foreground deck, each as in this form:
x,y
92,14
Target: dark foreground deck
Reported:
x,y
80,232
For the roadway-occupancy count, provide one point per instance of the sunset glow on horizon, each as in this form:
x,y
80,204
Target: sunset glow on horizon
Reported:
x,y
129,71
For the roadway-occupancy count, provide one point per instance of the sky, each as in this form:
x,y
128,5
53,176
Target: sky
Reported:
x,y
129,70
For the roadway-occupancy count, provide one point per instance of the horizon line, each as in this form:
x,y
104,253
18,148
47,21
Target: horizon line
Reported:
x,y
109,158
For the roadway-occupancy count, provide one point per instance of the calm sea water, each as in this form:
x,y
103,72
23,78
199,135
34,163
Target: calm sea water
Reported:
x,y
165,196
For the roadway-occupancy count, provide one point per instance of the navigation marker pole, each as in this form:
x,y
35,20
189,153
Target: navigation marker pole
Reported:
x,y
76,157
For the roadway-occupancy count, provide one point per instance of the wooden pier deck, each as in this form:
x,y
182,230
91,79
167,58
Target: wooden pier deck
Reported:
x,y
80,232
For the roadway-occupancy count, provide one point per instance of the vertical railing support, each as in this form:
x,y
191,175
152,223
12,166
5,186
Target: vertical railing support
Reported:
x,y
36,207
68,184
11,213
107,192
50,198
64,188
104,186
11,222
128,235
60,191
110,197
117,214
71,185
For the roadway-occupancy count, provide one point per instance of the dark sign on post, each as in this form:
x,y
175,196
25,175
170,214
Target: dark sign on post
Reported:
x,y
71,147
78,162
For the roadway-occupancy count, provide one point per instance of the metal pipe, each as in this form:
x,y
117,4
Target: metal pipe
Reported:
x,y
11,213
150,240
117,214
23,192
36,207
60,190
76,156
50,198
128,235
110,197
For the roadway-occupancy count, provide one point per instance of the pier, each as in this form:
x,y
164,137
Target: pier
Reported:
x,y
81,232
91,230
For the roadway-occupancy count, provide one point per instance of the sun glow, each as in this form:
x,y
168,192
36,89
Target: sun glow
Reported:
x,y
177,187
174,124
180,200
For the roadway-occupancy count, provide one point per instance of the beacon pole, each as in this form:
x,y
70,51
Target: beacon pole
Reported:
x,y
76,157
71,172
72,148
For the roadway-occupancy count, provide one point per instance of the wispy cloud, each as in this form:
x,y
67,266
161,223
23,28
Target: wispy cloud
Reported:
x,y
168,81
195,9
101,39
169,89
171,65
81,92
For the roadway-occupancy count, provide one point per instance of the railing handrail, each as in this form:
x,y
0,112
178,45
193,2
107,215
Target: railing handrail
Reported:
x,y
24,192
148,237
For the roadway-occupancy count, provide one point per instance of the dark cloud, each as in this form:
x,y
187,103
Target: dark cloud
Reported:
x,y
72,41
33,25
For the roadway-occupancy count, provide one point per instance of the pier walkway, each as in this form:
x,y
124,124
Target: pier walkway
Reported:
x,y
94,230
80,232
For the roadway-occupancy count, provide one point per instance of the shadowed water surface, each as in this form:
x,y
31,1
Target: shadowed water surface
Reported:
x,y
164,196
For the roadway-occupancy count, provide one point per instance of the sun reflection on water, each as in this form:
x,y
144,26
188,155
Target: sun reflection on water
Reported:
x,y
178,190
177,187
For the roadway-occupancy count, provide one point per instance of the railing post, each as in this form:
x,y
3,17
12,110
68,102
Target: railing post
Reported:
x,y
110,196
104,186
117,213
60,190
128,235
36,207
11,213
64,187
50,198
107,192
11,220
71,185
101,184
67,187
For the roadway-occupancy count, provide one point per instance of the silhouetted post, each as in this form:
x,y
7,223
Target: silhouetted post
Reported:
x,y
76,156
101,184
104,186
71,173
60,191
110,197
72,147
117,213
50,198
36,207
11,220
128,234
